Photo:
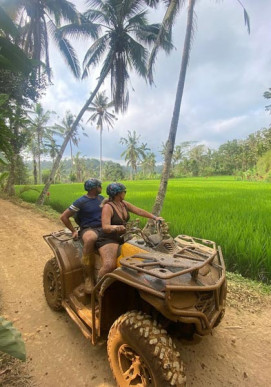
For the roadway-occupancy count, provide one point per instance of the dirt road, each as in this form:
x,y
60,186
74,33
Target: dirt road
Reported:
x,y
237,354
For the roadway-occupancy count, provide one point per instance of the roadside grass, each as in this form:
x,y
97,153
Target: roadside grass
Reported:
x,y
234,214
243,293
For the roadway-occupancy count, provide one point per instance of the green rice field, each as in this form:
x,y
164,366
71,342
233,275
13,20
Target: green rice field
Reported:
x,y
234,214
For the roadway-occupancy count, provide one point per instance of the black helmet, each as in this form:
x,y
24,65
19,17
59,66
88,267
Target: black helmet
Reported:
x,y
92,183
114,188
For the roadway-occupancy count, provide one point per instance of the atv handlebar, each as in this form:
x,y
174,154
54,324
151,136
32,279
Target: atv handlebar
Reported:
x,y
134,229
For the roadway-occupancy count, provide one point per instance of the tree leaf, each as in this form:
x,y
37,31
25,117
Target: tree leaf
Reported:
x,y
11,340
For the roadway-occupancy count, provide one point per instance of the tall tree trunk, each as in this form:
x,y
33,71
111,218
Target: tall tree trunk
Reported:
x,y
41,198
15,151
101,150
71,157
176,112
9,188
35,172
39,153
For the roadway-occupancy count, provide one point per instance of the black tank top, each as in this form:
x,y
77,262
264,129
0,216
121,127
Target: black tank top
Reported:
x,y
116,219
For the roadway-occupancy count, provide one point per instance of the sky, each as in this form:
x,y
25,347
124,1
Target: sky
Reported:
x,y
228,72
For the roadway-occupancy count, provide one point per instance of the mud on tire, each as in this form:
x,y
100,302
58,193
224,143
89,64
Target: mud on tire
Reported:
x,y
52,285
141,353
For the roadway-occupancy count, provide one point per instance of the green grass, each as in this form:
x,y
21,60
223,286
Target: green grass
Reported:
x,y
234,214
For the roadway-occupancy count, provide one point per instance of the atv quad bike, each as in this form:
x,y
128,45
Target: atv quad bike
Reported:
x,y
160,283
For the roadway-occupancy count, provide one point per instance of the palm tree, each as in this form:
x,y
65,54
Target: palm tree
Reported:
x,y
133,153
101,116
126,32
38,19
80,167
40,131
180,151
64,128
166,27
148,163
144,149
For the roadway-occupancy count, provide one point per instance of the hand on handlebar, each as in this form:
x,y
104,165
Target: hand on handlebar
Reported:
x,y
120,229
75,235
159,219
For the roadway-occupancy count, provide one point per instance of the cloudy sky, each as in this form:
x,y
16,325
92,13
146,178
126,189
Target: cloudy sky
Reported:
x,y
223,97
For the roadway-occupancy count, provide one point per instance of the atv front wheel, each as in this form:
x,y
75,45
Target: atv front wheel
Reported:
x,y
142,354
52,284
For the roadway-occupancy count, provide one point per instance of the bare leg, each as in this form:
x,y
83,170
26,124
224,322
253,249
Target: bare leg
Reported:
x,y
88,260
89,239
109,258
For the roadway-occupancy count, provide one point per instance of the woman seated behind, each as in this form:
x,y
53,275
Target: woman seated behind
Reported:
x,y
115,215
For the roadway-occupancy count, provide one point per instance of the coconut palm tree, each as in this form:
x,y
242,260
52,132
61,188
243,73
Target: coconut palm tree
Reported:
x,y
148,163
40,131
133,153
37,20
101,116
125,33
166,27
64,128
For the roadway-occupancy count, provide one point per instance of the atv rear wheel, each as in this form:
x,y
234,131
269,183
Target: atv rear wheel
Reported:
x,y
52,284
142,354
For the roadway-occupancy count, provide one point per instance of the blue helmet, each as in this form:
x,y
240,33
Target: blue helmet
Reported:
x,y
114,188
92,183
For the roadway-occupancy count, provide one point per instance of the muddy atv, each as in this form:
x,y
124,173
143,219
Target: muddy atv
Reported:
x,y
161,285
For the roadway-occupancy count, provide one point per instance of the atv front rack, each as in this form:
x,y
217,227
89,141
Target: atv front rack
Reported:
x,y
166,266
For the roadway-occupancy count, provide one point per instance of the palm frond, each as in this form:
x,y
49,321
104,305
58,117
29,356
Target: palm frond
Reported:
x,y
13,58
139,19
247,21
152,3
86,29
138,55
119,77
6,24
130,8
62,10
66,49
246,16
165,33
148,34
94,54
98,4
97,16
107,64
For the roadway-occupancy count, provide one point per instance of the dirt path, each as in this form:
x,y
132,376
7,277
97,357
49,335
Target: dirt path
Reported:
x,y
237,354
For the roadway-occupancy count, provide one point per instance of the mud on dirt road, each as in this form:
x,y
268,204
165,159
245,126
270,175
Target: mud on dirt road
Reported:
x,y
238,352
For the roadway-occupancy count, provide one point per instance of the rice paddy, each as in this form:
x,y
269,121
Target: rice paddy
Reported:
x,y
234,214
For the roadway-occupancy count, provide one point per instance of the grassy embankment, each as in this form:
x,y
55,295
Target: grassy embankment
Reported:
x,y
234,214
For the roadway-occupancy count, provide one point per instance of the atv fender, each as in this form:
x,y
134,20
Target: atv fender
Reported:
x,y
68,255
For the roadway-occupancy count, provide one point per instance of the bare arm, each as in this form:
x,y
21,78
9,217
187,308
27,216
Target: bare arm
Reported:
x,y
107,213
141,212
65,218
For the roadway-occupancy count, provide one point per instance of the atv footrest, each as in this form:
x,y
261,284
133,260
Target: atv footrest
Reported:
x,y
86,332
